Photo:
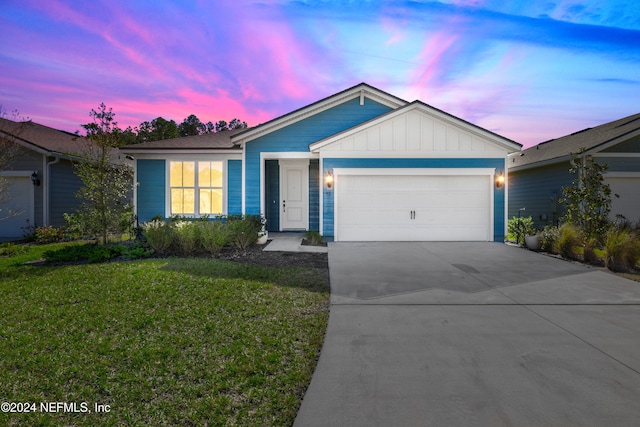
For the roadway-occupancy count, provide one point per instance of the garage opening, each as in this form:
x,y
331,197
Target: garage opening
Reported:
x,y
414,205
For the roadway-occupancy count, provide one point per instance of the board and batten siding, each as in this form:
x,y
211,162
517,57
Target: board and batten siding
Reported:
x,y
465,163
151,191
297,137
539,191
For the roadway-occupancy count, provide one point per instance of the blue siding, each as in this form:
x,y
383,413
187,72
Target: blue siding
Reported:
x,y
539,191
498,164
314,195
151,176
64,185
272,195
299,135
621,164
631,145
234,187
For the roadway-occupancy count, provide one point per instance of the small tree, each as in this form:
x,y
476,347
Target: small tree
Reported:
x,y
589,198
10,130
106,184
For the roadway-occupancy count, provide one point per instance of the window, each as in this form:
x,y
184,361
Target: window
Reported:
x,y
196,188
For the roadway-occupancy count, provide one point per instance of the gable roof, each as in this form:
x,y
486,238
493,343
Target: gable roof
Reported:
x,y
213,141
506,143
359,90
593,139
43,139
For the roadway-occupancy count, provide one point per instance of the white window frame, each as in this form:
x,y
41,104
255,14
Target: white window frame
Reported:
x,y
197,214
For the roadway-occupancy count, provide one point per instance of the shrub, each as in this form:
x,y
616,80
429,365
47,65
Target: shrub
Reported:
x,y
160,235
244,231
11,249
569,238
138,250
622,249
314,237
518,227
549,238
186,236
49,234
214,235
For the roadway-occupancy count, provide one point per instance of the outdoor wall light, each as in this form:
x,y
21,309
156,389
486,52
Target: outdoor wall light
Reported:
x,y
34,179
500,180
329,180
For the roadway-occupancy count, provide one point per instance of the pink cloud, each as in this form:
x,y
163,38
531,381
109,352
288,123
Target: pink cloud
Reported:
x,y
425,76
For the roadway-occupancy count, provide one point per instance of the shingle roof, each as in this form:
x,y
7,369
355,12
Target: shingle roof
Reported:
x,y
216,141
591,138
43,138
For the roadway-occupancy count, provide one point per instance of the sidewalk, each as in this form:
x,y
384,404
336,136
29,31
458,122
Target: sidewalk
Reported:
x,y
290,242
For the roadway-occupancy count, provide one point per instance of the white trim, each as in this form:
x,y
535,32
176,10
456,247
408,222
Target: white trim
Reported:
x,y
505,188
268,155
188,155
413,171
626,155
225,188
16,174
304,165
315,108
321,196
487,172
622,175
135,187
412,154
243,179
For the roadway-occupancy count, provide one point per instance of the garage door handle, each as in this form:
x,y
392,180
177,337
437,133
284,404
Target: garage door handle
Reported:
x,y
412,214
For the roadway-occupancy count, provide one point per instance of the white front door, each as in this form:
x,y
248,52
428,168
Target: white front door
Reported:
x,y
294,194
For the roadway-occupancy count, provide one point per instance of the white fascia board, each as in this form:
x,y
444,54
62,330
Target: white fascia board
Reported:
x,y
411,155
414,171
303,113
189,155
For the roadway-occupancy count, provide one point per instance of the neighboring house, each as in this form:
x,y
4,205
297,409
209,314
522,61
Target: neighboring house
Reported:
x,y
537,174
359,165
42,184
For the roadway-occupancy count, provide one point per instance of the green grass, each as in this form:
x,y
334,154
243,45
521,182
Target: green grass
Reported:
x,y
162,342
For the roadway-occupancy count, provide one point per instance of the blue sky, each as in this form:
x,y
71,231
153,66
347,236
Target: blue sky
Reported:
x,y
528,70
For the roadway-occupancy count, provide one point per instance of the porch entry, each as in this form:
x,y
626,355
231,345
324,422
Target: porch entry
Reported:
x,y
287,194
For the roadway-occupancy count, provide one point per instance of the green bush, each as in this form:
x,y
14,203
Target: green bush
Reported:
x,y
11,249
138,250
622,249
244,231
549,238
569,238
159,235
314,237
518,227
91,252
214,235
186,236
49,234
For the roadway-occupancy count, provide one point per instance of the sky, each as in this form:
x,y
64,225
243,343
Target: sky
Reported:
x,y
528,70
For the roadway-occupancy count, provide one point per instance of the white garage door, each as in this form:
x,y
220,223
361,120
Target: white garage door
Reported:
x,y
414,208
628,204
17,211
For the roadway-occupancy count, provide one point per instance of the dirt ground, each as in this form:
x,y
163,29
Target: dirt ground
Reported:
x,y
256,256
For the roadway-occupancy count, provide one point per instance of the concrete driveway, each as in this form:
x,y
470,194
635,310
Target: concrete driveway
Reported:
x,y
474,334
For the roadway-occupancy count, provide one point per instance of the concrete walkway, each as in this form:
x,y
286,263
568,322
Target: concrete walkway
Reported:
x,y
474,334
290,242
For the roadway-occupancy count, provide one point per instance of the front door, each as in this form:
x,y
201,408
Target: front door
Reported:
x,y
294,194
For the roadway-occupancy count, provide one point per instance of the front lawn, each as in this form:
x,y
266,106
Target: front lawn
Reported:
x,y
158,342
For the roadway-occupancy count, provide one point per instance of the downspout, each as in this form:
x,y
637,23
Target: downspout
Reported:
x,y
47,190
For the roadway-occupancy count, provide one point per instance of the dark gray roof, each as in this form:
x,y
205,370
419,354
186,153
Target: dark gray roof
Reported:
x,y
593,139
43,138
215,141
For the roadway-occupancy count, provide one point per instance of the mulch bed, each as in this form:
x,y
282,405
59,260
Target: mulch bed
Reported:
x,y
256,256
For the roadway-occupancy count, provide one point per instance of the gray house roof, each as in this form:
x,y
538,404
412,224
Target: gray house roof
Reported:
x,y
43,139
216,141
593,139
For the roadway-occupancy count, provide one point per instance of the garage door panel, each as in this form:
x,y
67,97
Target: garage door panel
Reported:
x,y
413,208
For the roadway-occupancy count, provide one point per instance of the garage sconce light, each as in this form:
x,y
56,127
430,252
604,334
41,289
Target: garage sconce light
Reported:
x,y
329,180
34,179
500,180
